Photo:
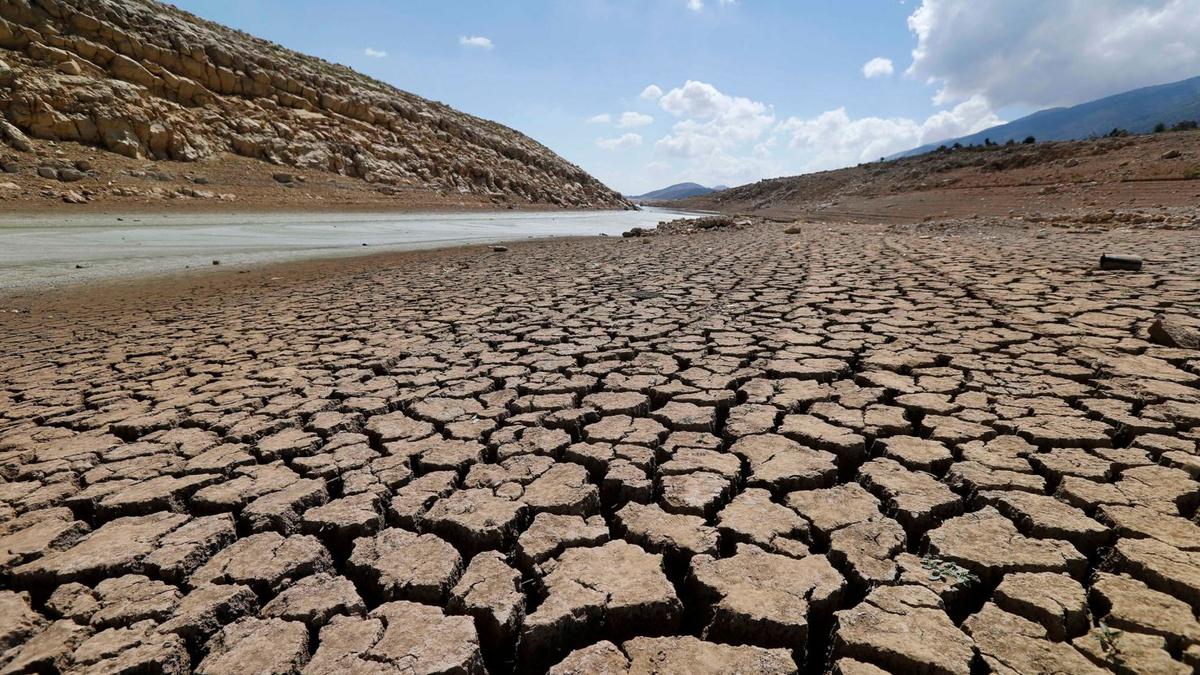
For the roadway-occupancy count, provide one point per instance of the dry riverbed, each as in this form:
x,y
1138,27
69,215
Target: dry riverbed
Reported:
x,y
916,448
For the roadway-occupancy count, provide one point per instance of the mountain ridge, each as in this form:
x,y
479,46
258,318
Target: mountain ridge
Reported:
x,y
1136,111
677,191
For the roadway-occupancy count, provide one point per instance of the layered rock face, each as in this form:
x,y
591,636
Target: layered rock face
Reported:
x,y
146,80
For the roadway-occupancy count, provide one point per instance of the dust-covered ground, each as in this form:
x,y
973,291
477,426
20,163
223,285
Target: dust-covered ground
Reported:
x,y
917,449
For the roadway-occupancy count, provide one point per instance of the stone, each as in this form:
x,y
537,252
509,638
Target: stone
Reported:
x,y
850,448
341,521
135,649
753,518
400,565
117,547
917,453
677,536
834,508
917,500
902,629
1045,517
1128,604
1160,566
765,599
1170,331
617,588
206,608
18,620
490,591
683,654
282,511
269,646
398,637
1011,644
128,599
315,599
867,549
549,535
267,562
1128,653
475,520
781,465
700,493
989,545
1056,601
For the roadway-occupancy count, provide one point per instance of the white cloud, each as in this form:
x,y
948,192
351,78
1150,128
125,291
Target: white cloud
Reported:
x,y
698,5
634,119
622,142
602,118
1038,53
651,93
877,67
374,53
832,139
475,41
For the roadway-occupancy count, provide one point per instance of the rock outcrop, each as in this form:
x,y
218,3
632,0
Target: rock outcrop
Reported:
x,y
148,81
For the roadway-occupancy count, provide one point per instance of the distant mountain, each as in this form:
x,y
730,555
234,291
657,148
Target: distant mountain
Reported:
x,y
1135,111
677,191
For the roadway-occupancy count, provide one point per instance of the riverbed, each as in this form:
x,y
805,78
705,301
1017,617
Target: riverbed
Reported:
x,y
47,251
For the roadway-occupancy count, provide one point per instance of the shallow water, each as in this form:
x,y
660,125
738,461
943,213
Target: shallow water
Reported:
x,y
45,251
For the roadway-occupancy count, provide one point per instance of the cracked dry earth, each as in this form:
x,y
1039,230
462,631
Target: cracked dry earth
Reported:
x,y
846,449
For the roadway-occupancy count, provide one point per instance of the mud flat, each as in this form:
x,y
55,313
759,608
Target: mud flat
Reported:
x,y
917,449
41,250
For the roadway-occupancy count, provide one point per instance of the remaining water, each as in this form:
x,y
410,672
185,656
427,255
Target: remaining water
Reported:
x,y
45,250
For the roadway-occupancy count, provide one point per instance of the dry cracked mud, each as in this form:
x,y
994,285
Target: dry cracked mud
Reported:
x,y
836,449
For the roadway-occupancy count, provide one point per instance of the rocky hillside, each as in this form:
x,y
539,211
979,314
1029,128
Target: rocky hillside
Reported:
x,y
1148,178
149,82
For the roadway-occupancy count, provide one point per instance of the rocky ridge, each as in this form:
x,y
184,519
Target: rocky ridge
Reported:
x,y
147,81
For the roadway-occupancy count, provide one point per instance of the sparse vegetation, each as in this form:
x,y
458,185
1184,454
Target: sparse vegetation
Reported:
x,y
1160,128
940,570
1109,637
1029,140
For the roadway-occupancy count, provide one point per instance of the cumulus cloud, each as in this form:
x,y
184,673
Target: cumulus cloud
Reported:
x,y
374,53
475,42
622,142
634,119
651,93
1038,53
602,118
833,139
878,67
719,138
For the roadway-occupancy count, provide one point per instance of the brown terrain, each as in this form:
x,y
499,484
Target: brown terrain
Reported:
x,y
938,448
135,105
1147,179
895,420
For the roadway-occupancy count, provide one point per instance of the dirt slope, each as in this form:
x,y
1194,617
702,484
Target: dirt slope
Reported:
x,y
145,81
1138,178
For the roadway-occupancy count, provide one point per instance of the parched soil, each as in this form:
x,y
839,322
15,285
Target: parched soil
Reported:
x,y
948,449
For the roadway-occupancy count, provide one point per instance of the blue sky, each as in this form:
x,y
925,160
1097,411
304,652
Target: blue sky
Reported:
x,y
749,88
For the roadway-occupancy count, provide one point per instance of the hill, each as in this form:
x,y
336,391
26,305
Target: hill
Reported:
x,y
163,92
1136,111
1149,175
677,191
